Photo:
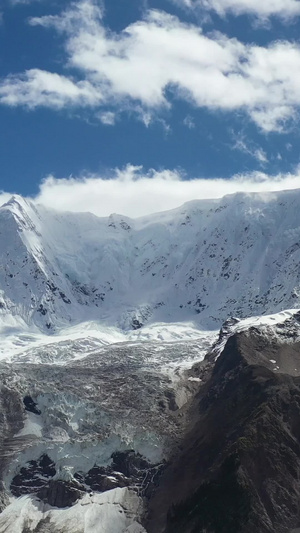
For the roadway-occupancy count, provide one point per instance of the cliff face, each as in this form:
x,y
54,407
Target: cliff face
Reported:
x,y
239,467
203,262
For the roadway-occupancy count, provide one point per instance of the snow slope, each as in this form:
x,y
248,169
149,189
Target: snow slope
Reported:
x,y
86,338
113,511
199,263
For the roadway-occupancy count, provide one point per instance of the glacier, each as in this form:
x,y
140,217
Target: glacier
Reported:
x,y
103,325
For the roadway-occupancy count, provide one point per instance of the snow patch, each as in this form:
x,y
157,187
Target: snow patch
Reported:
x,y
114,511
32,426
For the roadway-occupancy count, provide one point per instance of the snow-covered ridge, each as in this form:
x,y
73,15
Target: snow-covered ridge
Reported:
x,y
200,263
283,326
113,511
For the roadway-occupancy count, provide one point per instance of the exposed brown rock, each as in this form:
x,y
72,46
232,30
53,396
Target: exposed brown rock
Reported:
x,y
239,468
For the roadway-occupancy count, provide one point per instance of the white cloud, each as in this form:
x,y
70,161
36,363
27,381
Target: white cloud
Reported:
x,y
41,88
257,153
134,192
17,2
107,117
135,68
189,122
285,9
260,155
4,197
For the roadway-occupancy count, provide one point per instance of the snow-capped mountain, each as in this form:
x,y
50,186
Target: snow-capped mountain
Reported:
x,y
202,262
112,371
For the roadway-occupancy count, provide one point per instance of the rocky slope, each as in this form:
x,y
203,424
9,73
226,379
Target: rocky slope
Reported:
x,y
239,468
116,443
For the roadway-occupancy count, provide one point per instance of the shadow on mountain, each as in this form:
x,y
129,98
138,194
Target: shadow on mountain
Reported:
x,y
238,470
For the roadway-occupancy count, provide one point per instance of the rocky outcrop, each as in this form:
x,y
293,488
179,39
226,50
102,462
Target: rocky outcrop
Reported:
x,y
59,493
127,469
239,468
33,476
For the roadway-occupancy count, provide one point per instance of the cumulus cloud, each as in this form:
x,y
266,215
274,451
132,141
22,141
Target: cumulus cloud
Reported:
x,y
135,192
285,9
41,88
141,66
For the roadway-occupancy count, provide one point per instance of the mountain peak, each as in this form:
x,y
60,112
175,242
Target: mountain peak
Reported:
x,y
22,209
16,200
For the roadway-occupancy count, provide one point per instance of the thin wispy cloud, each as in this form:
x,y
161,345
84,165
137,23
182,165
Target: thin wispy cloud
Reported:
x,y
284,9
248,148
139,68
24,2
260,155
188,121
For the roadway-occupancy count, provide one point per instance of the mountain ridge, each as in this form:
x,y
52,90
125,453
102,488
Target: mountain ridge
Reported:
x,y
238,469
204,261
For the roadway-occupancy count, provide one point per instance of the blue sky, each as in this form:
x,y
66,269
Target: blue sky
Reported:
x,y
148,95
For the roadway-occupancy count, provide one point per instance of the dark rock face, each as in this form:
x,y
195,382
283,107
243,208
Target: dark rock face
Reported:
x,y
223,504
60,493
31,405
33,476
4,500
128,469
136,324
129,463
239,468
